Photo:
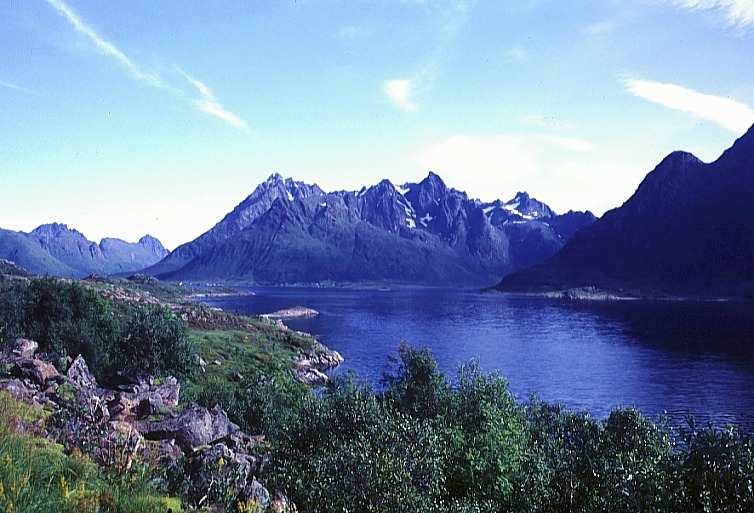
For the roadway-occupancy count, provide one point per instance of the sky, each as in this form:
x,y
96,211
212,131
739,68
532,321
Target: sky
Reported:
x,y
123,118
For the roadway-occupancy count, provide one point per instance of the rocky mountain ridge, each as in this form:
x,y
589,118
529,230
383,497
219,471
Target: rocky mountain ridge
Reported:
x,y
417,233
59,250
667,237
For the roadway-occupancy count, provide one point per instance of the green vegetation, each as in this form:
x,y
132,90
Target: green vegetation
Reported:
x,y
67,319
426,443
420,442
36,474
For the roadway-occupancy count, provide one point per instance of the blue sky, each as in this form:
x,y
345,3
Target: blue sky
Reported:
x,y
122,118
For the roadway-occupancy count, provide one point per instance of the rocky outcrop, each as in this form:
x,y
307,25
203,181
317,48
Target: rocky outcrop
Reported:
x,y
191,428
310,368
134,415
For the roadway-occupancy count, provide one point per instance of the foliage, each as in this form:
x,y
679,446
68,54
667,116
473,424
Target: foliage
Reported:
x,y
65,318
155,340
423,442
716,470
37,475
348,451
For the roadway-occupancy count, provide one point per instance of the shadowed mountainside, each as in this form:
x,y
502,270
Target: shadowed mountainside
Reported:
x,y
687,230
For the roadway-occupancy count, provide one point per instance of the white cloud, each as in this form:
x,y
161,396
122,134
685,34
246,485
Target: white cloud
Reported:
x,y
353,32
399,90
104,46
567,143
9,85
566,173
207,104
516,53
738,13
730,114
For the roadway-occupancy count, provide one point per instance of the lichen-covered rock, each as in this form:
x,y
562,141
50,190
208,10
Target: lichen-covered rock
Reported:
x,y
192,427
24,348
282,504
79,374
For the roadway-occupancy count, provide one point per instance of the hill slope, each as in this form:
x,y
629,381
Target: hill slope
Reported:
x,y
688,229
61,251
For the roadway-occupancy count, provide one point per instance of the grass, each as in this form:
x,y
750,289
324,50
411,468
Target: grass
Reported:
x,y
36,474
241,354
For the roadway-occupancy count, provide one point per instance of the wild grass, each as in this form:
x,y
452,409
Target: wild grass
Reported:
x,y
36,474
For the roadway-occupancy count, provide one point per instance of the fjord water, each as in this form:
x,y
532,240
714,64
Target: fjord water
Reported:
x,y
674,357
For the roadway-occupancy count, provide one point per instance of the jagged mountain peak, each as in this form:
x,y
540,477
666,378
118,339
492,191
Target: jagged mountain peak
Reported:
x,y
54,230
284,233
669,236
741,154
527,207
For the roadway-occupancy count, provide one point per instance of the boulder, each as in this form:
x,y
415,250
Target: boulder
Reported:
x,y
80,375
282,504
24,348
36,371
192,427
311,376
256,494
123,407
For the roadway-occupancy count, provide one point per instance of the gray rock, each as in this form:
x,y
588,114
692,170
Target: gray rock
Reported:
x,y
79,374
36,371
282,504
24,348
257,493
191,428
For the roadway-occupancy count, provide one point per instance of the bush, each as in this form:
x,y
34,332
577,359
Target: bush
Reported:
x,y
155,340
65,318
349,452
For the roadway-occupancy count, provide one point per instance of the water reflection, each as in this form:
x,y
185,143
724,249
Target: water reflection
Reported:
x,y
675,357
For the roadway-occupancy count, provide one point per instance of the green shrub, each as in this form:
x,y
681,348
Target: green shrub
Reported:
x,y
155,340
65,318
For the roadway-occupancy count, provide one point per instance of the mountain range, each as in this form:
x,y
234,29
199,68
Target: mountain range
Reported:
x,y
58,250
687,230
424,233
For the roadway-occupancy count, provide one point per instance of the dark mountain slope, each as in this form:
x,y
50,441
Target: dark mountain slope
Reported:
x,y
688,229
425,233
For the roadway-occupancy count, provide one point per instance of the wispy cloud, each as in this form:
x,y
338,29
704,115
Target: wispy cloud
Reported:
x,y
448,17
353,32
563,170
104,46
738,13
567,143
207,103
516,53
399,90
15,87
730,114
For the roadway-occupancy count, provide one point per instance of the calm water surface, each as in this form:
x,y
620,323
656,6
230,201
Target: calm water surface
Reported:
x,y
658,356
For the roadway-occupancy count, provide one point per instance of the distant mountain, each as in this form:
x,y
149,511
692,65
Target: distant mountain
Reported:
x,y
58,250
426,233
688,229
